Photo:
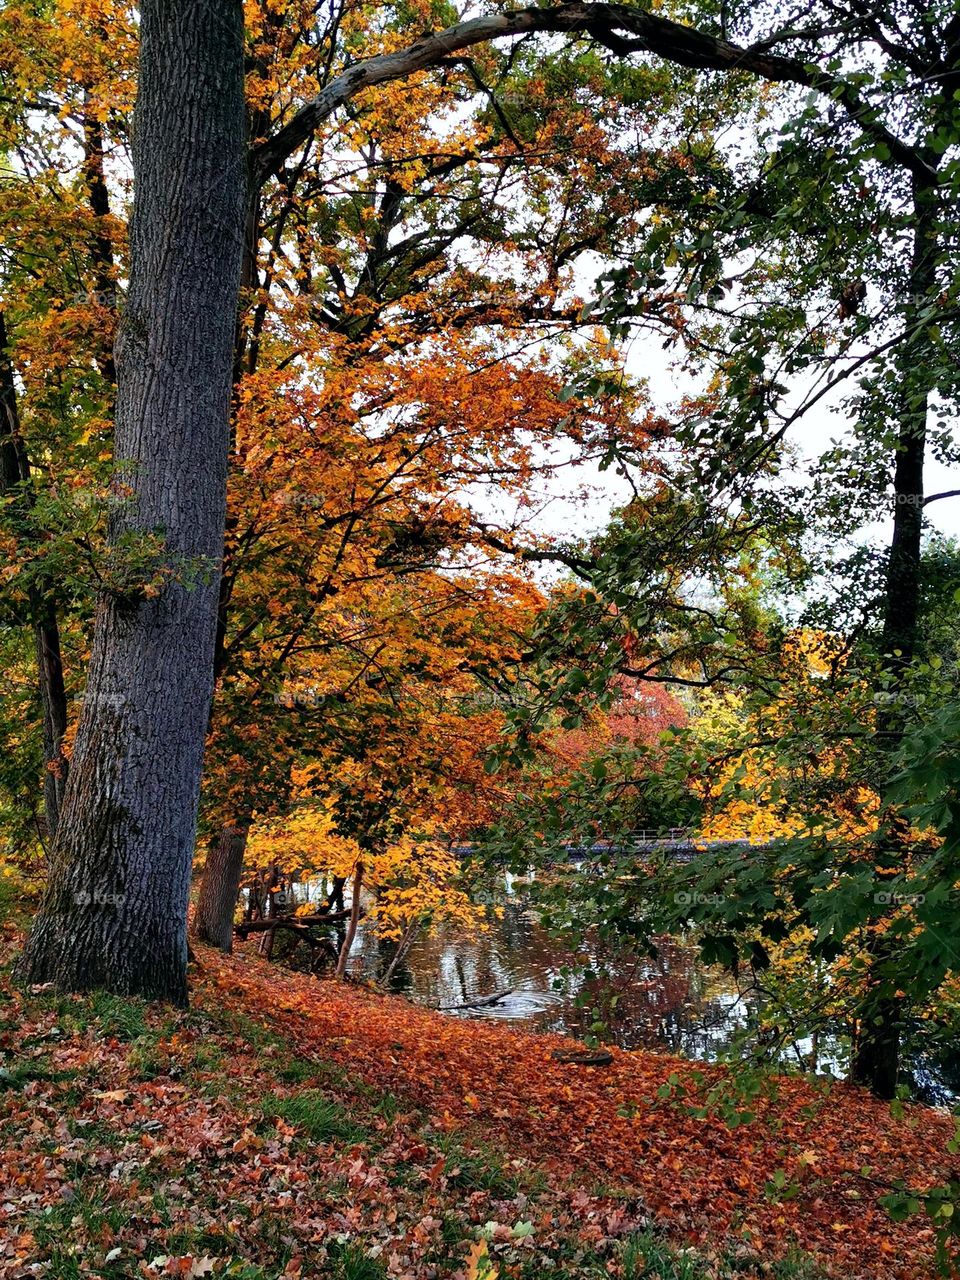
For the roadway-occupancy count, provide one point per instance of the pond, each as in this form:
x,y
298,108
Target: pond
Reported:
x,y
670,1003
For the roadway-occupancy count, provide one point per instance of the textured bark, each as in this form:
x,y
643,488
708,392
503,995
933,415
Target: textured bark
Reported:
x,y
114,913
877,1041
14,479
213,920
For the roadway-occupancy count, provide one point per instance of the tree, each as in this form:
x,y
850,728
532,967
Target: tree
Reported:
x,y
124,830
114,909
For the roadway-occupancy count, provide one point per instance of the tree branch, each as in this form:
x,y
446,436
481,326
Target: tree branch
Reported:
x,y
619,28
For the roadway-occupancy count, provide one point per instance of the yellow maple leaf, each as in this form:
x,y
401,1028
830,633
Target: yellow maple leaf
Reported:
x,y
479,1263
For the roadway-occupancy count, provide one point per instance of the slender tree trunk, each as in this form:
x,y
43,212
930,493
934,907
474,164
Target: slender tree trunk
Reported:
x,y
114,914
354,920
877,1041
213,920
404,945
53,697
14,478
101,247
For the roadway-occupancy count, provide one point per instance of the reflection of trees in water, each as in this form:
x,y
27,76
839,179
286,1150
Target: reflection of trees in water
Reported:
x,y
664,1001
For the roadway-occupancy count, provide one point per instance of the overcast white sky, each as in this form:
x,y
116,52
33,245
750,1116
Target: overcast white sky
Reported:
x,y
567,515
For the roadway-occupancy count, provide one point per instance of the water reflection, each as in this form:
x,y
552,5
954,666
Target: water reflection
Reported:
x,y
670,1002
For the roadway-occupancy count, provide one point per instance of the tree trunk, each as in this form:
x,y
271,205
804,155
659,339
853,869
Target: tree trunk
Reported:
x,y
213,921
334,899
354,919
114,913
101,247
876,1048
14,479
53,697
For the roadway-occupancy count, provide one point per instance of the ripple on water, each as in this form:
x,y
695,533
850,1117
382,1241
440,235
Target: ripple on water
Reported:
x,y
520,1005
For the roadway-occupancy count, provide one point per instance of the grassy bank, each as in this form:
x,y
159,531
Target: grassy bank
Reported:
x,y
284,1127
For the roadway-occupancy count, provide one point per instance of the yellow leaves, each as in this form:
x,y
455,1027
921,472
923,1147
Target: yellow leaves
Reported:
x,y
760,793
414,879
480,1265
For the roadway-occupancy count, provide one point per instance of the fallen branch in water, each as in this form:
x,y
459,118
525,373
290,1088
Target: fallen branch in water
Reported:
x,y
288,922
480,1003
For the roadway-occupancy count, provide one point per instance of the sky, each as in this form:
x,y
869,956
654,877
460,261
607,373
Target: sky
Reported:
x,y
565,513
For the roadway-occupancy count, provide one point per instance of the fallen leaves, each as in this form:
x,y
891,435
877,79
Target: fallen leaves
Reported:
x,y
507,1087
158,1154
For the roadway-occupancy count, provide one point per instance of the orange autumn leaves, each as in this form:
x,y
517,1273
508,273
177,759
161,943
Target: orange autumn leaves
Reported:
x,y
703,1181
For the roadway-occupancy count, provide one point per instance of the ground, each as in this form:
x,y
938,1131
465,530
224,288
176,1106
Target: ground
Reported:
x,y
290,1127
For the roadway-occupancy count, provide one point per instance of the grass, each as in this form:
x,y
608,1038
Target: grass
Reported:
x,y
648,1256
118,1017
180,1204
353,1264
318,1116
22,1073
475,1168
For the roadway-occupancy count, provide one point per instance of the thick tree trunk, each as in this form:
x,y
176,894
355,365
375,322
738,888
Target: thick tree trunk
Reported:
x,y
114,914
877,1042
213,920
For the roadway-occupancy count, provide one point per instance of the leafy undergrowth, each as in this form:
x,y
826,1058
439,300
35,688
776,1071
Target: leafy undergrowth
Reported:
x,y
285,1127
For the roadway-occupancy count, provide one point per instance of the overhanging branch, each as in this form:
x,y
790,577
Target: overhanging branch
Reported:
x,y
619,28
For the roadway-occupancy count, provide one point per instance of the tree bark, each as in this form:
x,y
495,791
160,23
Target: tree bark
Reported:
x,y
877,1040
101,247
213,919
114,913
53,698
14,479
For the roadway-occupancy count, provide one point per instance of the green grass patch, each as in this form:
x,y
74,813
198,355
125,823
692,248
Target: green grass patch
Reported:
x,y
317,1116
351,1263
475,1168
298,1071
22,1073
119,1017
648,1256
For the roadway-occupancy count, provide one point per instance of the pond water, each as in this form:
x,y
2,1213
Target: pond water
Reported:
x,y
667,1003
672,1003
